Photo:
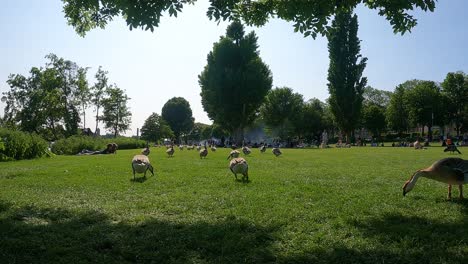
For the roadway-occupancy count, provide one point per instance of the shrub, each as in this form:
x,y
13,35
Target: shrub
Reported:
x,y
17,145
75,144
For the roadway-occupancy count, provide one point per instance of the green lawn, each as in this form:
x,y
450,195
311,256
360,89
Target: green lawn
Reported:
x,y
307,206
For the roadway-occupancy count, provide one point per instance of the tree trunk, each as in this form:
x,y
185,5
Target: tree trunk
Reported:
x,y
84,117
239,136
97,119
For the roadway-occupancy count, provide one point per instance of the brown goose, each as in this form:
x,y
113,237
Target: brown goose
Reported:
x,y
170,151
452,171
203,152
276,151
141,164
239,165
233,154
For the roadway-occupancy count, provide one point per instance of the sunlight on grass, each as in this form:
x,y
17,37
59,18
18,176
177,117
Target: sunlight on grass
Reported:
x,y
307,206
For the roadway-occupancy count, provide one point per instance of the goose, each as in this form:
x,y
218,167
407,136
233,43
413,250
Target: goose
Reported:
x,y
245,150
233,154
170,151
146,151
198,147
141,164
213,148
276,151
181,147
263,148
203,152
452,148
452,171
239,165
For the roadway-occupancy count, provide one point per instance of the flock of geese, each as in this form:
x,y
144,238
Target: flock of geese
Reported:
x,y
452,171
237,165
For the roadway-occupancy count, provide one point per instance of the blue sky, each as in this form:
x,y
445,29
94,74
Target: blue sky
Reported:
x,y
154,67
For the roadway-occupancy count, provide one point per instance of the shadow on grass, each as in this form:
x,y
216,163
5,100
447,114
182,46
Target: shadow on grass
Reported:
x,y
139,179
417,239
32,235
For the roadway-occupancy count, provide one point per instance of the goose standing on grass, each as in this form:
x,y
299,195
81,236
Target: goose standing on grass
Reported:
x,y
233,154
146,151
204,152
263,148
198,147
246,150
170,151
141,164
181,147
276,151
239,165
213,148
452,148
452,171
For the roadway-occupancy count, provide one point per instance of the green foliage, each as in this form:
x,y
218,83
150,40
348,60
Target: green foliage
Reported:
x,y
281,111
425,104
314,117
47,100
83,92
155,129
75,144
307,206
98,92
116,114
376,96
455,89
235,81
308,17
346,86
199,132
397,111
373,117
17,145
178,115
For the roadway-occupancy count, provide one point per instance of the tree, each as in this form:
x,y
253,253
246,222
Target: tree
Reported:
x,y
235,81
98,90
312,120
425,105
197,132
376,96
308,17
68,74
46,102
155,129
281,110
344,73
373,117
83,92
178,114
397,111
116,115
455,88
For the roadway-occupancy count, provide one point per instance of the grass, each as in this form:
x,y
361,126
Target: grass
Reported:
x,y
307,206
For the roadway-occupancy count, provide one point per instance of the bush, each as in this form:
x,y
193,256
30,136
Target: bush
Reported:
x,y
17,145
75,144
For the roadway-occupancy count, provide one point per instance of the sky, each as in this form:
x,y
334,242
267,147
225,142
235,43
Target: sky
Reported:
x,y
154,67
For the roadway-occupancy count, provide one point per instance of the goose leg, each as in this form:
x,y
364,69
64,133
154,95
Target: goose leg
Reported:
x,y
460,187
449,196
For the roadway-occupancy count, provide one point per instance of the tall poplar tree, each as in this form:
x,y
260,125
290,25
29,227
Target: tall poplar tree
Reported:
x,y
345,81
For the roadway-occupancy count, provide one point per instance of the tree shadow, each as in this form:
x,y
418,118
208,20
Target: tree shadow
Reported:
x,y
33,235
418,239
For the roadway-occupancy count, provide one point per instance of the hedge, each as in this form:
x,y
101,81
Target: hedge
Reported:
x,y
17,145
